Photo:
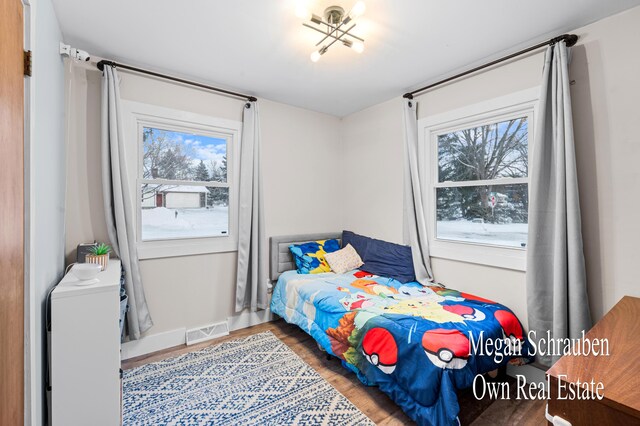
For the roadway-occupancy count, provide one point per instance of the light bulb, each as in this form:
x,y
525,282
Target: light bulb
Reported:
x,y
303,13
358,46
315,56
357,10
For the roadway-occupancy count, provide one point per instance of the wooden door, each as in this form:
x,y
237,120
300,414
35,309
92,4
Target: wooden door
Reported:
x,y
11,213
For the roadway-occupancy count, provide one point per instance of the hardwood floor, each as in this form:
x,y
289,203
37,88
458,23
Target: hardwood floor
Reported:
x,y
371,401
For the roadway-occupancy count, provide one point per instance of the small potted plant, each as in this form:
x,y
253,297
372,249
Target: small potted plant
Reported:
x,y
99,254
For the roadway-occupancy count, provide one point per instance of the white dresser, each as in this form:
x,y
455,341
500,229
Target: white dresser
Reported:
x,y
85,351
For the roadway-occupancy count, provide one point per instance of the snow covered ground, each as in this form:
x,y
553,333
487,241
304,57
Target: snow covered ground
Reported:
x,y
162,223
509,234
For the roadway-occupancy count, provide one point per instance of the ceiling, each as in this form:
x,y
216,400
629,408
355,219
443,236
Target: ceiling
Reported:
x,y
259,47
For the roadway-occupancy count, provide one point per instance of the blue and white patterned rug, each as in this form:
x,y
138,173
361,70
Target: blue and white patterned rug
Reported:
x,y
249,381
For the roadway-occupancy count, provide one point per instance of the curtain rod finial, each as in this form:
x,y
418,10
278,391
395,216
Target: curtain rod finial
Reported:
x,y
571,40
252,99
407,96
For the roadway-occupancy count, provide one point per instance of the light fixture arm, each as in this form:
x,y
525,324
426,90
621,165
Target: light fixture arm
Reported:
x,y
335,29
351,35
340,37
335,20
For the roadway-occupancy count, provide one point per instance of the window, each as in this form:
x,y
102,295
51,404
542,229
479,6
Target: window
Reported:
x,y
477,187
183,191
482,194
186,181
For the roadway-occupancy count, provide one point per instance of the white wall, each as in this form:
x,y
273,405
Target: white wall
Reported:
x,y
605,94
301,181
324,174
45,191
606,67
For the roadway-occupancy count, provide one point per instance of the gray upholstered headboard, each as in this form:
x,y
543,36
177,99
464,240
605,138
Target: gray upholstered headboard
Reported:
x,y
280,257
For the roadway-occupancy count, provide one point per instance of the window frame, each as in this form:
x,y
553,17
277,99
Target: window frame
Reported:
x,y
519,104
136,116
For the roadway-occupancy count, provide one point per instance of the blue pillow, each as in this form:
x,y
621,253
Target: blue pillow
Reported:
x,y
309,257
381,257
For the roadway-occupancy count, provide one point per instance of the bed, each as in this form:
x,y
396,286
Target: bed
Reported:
x,y
413,342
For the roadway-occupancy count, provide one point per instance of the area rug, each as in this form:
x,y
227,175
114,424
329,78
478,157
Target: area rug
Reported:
x,y
248,381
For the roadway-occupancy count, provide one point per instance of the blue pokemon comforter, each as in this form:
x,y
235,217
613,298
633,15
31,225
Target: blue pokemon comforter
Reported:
x,y
418,344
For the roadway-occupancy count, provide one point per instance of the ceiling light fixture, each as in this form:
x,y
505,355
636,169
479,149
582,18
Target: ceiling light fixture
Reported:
x,y
336,26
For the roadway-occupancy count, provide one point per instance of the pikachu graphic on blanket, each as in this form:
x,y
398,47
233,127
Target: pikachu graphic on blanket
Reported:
x,y
374,288
425,308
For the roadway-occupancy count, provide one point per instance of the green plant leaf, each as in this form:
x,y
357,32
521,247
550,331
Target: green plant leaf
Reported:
x,y
100,249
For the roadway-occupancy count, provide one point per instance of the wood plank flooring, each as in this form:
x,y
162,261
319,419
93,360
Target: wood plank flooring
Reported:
x,y
370,400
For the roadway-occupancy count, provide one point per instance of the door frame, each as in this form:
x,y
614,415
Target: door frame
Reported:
x,y
14,244
31,417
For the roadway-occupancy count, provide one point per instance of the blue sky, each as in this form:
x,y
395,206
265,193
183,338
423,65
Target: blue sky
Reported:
x,y
200,147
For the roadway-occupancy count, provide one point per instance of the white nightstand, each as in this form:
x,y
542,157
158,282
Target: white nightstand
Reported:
x,y
85,351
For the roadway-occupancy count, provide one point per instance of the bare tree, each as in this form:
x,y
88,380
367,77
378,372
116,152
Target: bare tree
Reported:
x,y
486,152
164,158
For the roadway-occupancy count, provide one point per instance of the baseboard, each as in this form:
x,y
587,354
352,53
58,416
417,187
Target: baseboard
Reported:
x,y
246,319
168,339
153,343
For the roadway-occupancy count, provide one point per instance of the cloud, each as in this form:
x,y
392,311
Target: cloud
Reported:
x,y
200,147
210,152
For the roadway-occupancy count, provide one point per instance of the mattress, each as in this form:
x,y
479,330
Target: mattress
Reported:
x,y
417,344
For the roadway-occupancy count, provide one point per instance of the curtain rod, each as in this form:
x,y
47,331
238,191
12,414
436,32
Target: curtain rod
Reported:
x,y
570,39
102,63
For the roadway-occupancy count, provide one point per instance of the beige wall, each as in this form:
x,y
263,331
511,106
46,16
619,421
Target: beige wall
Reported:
x,y
44,185
301,173
605,68
322,174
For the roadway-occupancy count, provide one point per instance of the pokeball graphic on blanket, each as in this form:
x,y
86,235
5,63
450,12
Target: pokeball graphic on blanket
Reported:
x,y
446,348
380,349
511,330
466,312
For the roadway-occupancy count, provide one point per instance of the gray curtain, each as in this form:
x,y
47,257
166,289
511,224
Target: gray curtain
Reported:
x,y
415,226
252,281
556,280
118,203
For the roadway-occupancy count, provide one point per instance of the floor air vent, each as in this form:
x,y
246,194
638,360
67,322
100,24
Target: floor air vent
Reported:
x,y
207,332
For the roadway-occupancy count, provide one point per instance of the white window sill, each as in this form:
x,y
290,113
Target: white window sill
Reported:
x,y
190,247
499,257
